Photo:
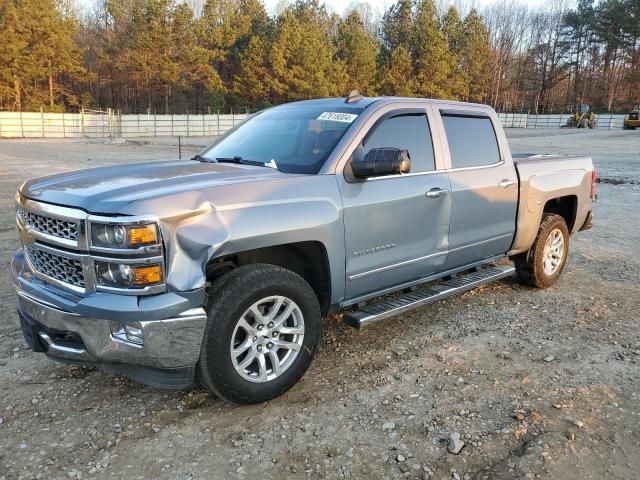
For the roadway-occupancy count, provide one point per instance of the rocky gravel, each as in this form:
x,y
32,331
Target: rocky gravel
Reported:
x,y
502,382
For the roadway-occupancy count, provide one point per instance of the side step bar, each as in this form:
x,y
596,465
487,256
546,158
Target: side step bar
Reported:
x,y
378,311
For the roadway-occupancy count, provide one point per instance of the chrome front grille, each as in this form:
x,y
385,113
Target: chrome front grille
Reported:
x,y
57,267
48,225
57,247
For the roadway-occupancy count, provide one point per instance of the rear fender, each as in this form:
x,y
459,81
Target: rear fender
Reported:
x,y
537,190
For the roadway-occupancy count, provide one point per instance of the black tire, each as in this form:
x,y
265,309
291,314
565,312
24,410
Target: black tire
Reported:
x,y
529,265
229,298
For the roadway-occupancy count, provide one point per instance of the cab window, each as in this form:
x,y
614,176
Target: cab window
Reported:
x,y
406,132
472,141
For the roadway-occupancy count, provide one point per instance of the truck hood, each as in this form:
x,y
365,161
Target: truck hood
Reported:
x,y
108,189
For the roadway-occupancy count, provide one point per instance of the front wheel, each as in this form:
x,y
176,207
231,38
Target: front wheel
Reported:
x,y
542,265
263,329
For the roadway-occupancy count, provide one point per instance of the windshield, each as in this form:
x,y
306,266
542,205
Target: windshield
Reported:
x,y
296,139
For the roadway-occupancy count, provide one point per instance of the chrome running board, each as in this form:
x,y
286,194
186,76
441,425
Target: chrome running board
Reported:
x,y
378,311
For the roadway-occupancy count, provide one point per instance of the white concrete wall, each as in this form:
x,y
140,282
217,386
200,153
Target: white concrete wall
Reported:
x,y
525,120
110,125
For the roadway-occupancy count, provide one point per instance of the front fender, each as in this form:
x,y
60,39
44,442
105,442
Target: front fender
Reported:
x,y
224,220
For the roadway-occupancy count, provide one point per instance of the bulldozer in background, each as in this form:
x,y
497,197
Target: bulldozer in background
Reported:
x,y
582,118
632,119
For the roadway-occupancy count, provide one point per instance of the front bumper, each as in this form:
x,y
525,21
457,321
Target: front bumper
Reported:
x,y
59,326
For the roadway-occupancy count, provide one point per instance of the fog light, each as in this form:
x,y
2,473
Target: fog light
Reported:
x,y
127,332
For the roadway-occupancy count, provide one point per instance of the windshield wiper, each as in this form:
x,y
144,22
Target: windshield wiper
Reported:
x,y
200,158
240,160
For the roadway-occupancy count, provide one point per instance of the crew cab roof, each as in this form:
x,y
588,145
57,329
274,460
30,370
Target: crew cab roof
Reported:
x,y
364,102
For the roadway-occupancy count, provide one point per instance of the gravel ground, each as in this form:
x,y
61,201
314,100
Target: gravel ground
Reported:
x,y
537,383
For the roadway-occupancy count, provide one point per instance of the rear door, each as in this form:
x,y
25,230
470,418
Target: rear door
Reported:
x,y
484,187
394,232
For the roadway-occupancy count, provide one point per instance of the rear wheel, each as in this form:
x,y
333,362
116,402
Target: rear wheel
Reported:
x,y
543,264
262,332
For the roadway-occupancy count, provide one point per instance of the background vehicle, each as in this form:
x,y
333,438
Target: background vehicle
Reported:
x,y
632,119
219,269
582,118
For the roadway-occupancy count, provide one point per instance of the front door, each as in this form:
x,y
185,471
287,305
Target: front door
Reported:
x,y
396,226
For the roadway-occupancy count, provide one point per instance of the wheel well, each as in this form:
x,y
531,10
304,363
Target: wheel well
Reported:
x,y
307,259
566,207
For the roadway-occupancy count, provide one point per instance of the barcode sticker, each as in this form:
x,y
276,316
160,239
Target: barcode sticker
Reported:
x,y
338,117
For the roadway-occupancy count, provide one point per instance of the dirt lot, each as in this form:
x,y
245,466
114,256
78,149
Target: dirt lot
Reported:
x,y
538,383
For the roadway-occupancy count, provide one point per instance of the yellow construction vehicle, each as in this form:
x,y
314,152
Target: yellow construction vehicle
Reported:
x,y
632,119
582,118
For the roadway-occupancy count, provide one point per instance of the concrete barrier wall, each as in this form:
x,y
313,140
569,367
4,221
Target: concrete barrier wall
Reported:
x,y
525,120
112,125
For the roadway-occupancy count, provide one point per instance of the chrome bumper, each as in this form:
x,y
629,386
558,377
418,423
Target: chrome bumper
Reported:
x,y
167,343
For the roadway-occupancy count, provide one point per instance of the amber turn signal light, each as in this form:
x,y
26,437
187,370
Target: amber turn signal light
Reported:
x,y
144,235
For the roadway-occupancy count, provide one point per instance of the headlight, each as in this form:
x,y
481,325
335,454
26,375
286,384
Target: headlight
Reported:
x,y
123,275
123,236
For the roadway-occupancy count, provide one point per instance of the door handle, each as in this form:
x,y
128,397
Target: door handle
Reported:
x,y
506,183
436,193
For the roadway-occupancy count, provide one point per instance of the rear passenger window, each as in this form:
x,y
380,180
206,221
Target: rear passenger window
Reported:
x,y
407,132
472,141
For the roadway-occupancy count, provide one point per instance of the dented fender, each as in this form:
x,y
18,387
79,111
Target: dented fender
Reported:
x,y
198,226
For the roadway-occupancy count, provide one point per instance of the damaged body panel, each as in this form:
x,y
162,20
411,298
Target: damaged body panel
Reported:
x,y
211,223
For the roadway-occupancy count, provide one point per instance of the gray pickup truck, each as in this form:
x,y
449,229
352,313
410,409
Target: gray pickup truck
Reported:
x,y
218,270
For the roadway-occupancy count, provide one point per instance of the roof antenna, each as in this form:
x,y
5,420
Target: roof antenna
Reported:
x,y
354,96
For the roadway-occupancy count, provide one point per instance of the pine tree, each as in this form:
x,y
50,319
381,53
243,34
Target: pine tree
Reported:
x,y
453,30
252,83
397,29
434,64
146,53
195,70
396,77
225,28
58,52
14,57
37,47
302,55
357,48
475,56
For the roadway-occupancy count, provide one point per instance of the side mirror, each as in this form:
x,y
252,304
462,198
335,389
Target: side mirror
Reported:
x,y
380,161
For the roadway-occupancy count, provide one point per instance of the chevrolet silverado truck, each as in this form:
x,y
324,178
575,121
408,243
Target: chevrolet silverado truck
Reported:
x,y
217,271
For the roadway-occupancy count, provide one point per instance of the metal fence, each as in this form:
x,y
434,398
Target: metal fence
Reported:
x,y
110,124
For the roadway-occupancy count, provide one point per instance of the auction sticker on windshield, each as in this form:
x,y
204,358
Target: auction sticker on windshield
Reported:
x,y
337,117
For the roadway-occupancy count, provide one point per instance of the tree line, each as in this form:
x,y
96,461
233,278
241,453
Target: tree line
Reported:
x,y
171,56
